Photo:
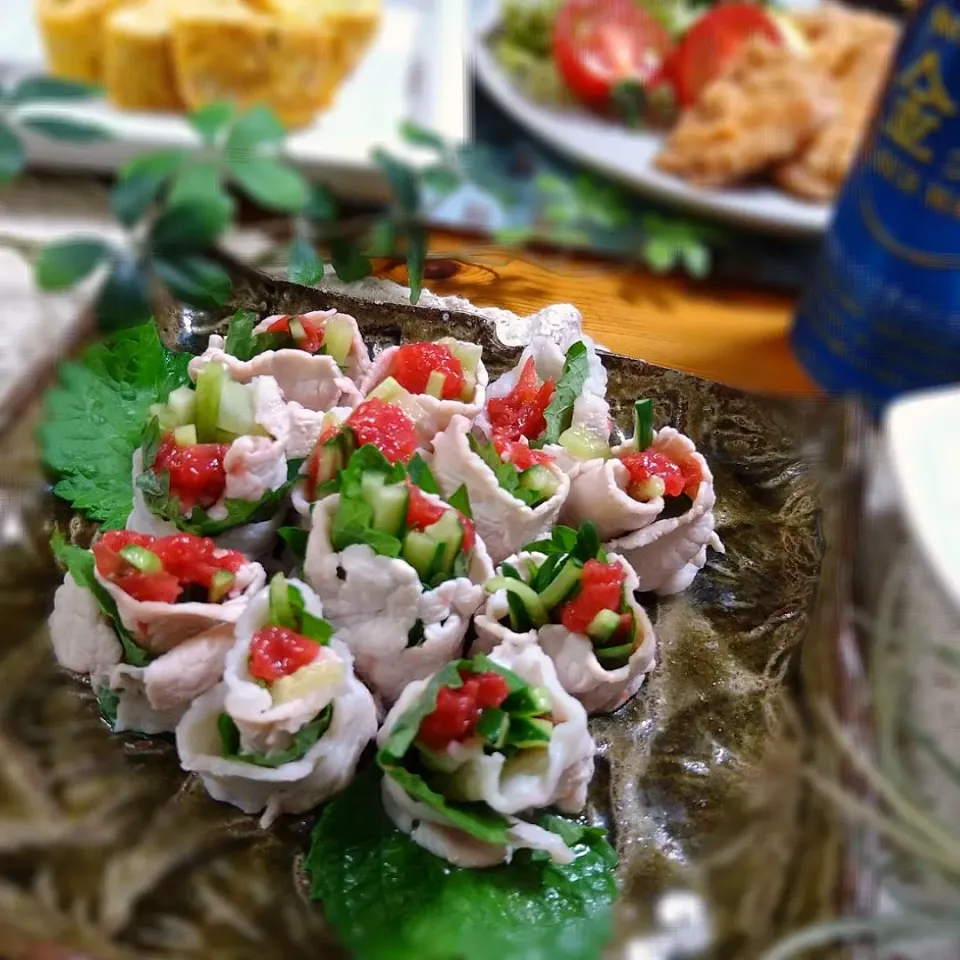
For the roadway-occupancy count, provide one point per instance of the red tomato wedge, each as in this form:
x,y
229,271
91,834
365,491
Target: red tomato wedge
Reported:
x,y
600,43
706,49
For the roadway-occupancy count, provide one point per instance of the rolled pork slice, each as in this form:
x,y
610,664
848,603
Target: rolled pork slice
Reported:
x,y
579,671
556,776
375,602
668,553
266,726
432,415
503,522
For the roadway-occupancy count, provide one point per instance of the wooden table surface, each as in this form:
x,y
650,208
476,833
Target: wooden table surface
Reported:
x,y
735,336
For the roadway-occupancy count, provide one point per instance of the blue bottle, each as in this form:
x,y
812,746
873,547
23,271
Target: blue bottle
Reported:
x,y
881,315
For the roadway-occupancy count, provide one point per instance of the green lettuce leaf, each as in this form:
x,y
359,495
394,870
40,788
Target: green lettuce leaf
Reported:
x,y
421,475
296,539
559,412
303,740
389,899
80,565
306,624
583,544
109,703
94,415
242,343
507,474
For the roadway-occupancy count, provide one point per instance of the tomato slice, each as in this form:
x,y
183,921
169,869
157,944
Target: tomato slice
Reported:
x,y
600,43
712,42
277,652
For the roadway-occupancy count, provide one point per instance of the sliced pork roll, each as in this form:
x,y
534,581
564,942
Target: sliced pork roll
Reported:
x,y
577,602
399,572
471,794
286,727
432,381
149,622
214,462
515,492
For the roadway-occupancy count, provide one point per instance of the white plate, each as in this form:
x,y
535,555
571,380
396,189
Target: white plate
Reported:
x,y
415,69
627,155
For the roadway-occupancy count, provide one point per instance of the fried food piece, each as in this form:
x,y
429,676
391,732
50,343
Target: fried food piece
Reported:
x,y
760,111
239,55
72,32
856,49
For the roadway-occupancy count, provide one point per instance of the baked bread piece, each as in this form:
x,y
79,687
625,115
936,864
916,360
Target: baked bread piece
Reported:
x,y
138,57
72,32
765,107
234,53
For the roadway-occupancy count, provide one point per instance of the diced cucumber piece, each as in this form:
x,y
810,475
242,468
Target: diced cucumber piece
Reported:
x,y
435,383
370,486
296,331
468,354
469,387
539,479
437,761
532,604
338,339
493,726
329,462
388,390
529,732
584,444
185,436
562,585
604,625
236,413
529,702
389,504
144,560
649,489
447,531
610,655
280,611
163,415
421,552
308,679
221,583
210,381
643,424
182,403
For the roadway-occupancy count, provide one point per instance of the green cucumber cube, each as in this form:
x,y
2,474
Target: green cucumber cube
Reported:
x,y
493,726
280,611
529,733
142,559
236,413
584,444
435,383
338,339
210,381
604,625
182,404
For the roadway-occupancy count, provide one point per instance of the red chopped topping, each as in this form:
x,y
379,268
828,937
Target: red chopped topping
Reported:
x,y
519,453
414,362
387,427
187,560
692,477
600,589
422,512
457,711
277,652
313,339
197,474
649,463
520,412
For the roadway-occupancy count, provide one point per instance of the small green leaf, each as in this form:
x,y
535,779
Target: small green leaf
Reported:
x,y
195,280
440,179
660,255
37,89
513,236
417,244
270,183
210,120
420,136
305,266
383,239
201,182
696,259
65,263
402,179
321,204
258,127
130,198
348,263
124,299
12,156
188,226
70,131
163,163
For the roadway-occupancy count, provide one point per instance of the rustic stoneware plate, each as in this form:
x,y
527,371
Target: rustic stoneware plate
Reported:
x,y
107,848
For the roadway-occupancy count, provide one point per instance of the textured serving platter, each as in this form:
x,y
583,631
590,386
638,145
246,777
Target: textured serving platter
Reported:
x,y
107,847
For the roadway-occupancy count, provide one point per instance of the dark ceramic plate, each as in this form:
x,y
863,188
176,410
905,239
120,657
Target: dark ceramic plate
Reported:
x,y
107,848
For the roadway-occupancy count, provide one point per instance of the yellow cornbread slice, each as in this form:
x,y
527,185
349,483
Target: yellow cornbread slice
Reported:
x,y
138,58
245,57
72,32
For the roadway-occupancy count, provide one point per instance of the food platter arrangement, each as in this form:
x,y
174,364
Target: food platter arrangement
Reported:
x,y
750,111
458,608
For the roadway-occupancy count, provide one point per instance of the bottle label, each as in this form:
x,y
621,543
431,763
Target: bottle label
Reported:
x,y
882,315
